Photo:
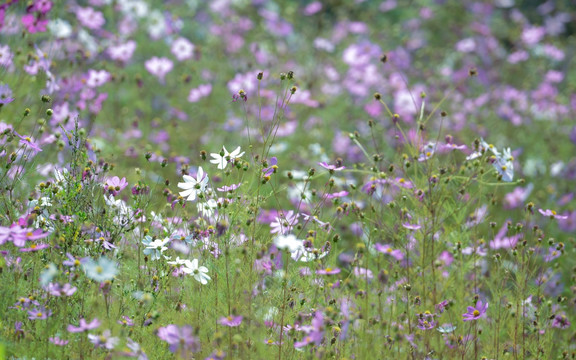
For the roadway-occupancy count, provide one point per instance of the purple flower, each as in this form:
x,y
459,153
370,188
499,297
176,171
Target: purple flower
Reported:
x,y
28,141
84,326
39,313
501,241
230,188
272,168
19,235
331,167
426,321
181,339
475,313
315,334
441,306
552,214
561,322
34,247
231,321
387,249
126,321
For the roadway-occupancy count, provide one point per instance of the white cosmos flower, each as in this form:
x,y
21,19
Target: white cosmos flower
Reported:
x,y
192,187
223,160
200,273
156,248
289,242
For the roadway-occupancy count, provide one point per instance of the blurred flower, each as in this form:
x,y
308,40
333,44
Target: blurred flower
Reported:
x,y
90,18
182,49
57,341
426,321
387,249
5,94
40,313
101,270
180,339
552,214
231,321
105,340
84,326
289,242
475,313
159,67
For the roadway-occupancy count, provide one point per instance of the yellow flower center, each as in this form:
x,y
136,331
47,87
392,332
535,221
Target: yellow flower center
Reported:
x,y
476,313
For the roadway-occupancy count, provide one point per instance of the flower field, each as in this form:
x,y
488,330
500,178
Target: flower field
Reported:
x,y
274,179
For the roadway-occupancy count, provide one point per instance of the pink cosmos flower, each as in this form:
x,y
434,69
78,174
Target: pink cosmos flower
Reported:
x,y
231,321
387,249
34,24
96,78
84,326
159,67
328,271
182,49
552,214
90,18
114,185
331,167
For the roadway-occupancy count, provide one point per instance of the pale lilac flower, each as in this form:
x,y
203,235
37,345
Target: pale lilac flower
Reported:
x,y
84,326
284,224
57,341
182,49
475,313
331,167
97,78
328,271
5,93
126,321
114,185
501,241
387,249
229,188
231,321
552,214
39,313
122,52
312,8
90,18
159,67
198,93
180,339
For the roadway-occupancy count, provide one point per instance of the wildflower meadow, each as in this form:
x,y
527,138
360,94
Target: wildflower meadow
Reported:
x,y
287,179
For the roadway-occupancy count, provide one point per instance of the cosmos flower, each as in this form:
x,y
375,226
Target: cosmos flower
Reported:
x,y
224,157
475,313
193,187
